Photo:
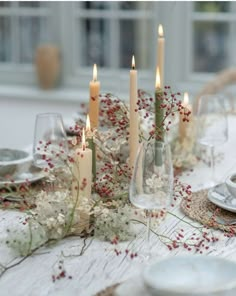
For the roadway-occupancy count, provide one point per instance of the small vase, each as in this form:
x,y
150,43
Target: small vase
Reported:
x,y
47,61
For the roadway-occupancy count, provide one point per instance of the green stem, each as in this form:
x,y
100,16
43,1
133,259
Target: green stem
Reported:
x,y
31,237
159,129
92,146
182,220
157,234
68,226
159,114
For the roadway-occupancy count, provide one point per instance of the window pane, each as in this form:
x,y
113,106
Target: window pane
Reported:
x,y
33,32
210,45
5,39
135,35
94,42
94,5
212,6
134,5
33,4
5,3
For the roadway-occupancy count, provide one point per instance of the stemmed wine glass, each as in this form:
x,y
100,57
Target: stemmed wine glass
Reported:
x,y
50,148
212,127
152,181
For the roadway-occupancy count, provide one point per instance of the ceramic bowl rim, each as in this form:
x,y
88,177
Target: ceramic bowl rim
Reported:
x,y
23,160
227,286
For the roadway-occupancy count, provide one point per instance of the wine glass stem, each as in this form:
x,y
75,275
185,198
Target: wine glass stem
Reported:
x,y
212,164
147,243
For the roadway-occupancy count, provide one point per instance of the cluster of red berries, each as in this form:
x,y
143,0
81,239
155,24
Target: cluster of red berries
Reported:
x,y
61,273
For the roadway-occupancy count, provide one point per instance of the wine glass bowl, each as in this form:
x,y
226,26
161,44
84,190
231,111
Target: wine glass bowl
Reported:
x,y
152,180
212,126
212,120
50,147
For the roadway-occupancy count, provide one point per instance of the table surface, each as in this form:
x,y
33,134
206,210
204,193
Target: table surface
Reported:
x,y
93,264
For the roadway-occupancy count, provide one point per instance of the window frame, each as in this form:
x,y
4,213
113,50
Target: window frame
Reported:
x,y
112,79
188,80
13,73
176,18
63,31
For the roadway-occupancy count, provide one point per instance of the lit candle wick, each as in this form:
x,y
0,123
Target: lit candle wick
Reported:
x,y
160,31
88,127
133,63
186,99
95,72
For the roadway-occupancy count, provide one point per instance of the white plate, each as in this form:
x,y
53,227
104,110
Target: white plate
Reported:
x,y
34,174
220,196
192,275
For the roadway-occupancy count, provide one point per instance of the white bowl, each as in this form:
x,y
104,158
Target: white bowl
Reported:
x,y
14,161
194,275
231,184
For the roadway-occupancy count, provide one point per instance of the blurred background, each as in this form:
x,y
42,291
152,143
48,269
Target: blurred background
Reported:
x,y
47,50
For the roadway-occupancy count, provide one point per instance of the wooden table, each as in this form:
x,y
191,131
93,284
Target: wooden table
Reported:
x,y
90,264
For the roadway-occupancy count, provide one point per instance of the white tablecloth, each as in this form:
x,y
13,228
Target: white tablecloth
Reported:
x,y
99,266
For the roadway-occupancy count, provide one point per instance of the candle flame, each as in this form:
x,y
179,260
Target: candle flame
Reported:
x,y
83,140
95,72
158,79
160,31
186,99
133,62
88,126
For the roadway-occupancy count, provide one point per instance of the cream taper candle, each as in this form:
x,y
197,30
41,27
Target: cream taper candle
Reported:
x,y
183,125
91,145
159,111
82,172
161,54
134,120
94,88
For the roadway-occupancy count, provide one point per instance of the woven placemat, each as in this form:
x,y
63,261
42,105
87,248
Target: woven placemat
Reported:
x,y
109,291
199,208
